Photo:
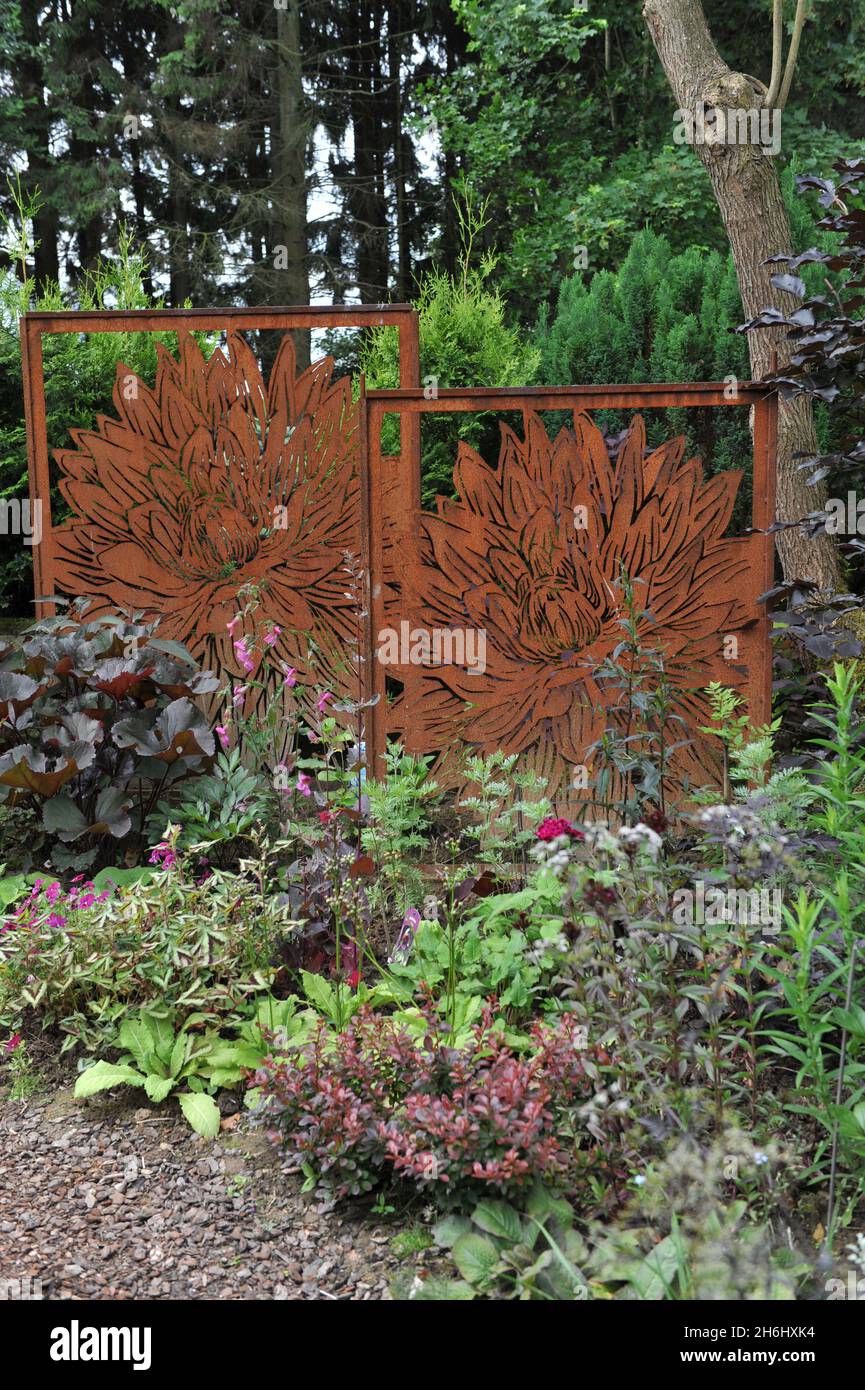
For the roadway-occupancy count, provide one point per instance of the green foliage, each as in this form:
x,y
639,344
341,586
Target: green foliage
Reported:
x,y
510,946
12,887
190,947
533,1253
24,1075
665,316
820,1028
399,808
159,1056
80,373
464,341
506,804
159,1059
216,811
665,193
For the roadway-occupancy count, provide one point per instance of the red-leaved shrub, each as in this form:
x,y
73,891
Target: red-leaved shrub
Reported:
x,y
372,1103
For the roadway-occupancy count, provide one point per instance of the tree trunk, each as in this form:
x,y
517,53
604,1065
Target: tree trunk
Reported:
x,y
746,187
289,183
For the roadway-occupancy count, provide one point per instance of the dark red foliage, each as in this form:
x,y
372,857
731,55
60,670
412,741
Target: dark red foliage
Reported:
x,y
371,1103
656,820
598,895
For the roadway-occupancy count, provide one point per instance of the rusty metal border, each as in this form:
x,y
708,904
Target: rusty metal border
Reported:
x,y
643,395
34,325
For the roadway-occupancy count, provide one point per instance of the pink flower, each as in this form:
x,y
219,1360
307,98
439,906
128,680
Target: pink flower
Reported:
x,y
163,854
405,940
270,638
243,656
290,677
303,784
86,900
327,817
222,735
233,625
554,826
55,919
52,893
14,1041
322,701
239,695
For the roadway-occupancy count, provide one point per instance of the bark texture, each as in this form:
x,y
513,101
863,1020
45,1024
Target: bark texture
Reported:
x,y
748,193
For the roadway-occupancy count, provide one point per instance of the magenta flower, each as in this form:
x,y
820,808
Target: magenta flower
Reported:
x,y
290,677
233,625
56,919
554,826
222,735
14,1041
163,854
239,695
272,637
303,784
322,700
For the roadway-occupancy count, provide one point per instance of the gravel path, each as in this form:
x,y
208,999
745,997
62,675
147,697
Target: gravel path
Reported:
x,y
99,1200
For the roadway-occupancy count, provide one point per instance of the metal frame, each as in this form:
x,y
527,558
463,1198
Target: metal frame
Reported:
x,y
413,403
34,325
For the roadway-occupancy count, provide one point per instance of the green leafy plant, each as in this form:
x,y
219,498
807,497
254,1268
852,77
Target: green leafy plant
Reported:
x,y
508,944
81,962
218,811
508,1252
160,1059
398,809
505,822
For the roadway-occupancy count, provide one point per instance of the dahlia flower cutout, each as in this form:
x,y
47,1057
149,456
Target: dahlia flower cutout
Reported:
x,y
213,479
529,557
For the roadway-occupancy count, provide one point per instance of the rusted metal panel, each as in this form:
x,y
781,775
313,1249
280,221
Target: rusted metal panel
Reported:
x,y
210,478
505,561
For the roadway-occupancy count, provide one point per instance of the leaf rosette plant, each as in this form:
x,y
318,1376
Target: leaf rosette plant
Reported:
x,y
97,718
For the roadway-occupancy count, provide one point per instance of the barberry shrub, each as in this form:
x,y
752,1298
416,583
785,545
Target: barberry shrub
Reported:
x,y
369,1104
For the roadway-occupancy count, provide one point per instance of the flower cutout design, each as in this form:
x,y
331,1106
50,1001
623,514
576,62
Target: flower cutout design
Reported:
x,y
531,554
213,479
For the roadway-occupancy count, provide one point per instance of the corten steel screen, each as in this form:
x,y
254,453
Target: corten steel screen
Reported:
x,y
214,476
530,553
